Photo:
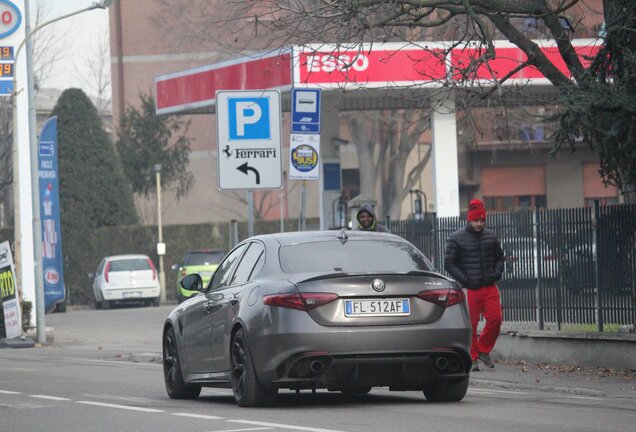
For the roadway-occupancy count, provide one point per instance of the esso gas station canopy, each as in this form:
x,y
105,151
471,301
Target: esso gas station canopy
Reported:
x,y
375,76
346,70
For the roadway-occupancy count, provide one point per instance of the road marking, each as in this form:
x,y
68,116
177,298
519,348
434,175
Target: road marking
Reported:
x,y
242,430
283,426
125,407
137,363
473,390
219,392
8,392
197,416
585,398
55,398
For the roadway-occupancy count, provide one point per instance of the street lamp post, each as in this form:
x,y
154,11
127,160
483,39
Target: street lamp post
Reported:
x,y
161,246
33,149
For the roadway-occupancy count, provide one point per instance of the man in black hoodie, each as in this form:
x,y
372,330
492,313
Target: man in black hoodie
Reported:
x,y
474,258
367,221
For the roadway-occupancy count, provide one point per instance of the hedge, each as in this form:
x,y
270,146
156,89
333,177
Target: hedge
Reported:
x,y
142,239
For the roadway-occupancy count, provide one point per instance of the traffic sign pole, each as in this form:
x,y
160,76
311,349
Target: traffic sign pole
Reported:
x,y
250,213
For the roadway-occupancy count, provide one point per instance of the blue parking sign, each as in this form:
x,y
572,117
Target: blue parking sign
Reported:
x,y
249,118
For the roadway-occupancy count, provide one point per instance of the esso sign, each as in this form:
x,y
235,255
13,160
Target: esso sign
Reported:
x,y
337,62
10,18
51,276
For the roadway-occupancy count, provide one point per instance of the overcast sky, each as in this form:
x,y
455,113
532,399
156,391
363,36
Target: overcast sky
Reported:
x,y
80,39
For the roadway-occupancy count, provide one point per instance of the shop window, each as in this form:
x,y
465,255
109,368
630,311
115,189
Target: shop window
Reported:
x,y
350,183
507,203
589,202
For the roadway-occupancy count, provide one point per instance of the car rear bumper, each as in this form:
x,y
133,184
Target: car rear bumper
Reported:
x,y
398,371
130,293
398,356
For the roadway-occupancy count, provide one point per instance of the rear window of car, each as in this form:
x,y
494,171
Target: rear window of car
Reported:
x,y
129,265
352,257
203,258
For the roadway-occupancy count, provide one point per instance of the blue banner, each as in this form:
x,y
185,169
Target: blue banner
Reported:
x,y
52,264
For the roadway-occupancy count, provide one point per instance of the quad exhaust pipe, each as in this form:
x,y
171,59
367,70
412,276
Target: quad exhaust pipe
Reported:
x,y
448,364
317,366
308,368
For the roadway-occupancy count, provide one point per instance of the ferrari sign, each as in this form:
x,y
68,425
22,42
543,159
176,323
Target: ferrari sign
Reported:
x,y
249,140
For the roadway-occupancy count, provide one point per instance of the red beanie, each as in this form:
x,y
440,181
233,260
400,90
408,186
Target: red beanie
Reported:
x,y
476,210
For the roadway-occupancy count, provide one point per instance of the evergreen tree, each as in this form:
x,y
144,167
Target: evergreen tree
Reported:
x,y
146,139
93,189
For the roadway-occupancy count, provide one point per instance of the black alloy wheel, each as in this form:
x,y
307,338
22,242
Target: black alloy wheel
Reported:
x,y
248,391
175,386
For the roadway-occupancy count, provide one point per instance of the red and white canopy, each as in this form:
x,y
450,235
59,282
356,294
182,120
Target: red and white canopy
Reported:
x,y
359,67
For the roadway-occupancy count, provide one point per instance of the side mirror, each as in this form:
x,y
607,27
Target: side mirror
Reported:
x,y
192,282
175,267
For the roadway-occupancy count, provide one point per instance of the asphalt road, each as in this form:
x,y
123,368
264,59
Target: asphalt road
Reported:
x,y
101,374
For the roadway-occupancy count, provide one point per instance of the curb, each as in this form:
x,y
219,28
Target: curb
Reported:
x,y
578,391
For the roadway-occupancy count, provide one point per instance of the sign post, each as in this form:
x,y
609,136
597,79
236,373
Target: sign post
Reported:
x,y
249,143
249,140
304,146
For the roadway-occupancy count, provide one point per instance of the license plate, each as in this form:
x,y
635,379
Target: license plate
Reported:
x,y
132,294
380,307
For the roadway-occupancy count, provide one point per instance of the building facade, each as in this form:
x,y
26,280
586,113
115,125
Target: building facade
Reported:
x,y
504,157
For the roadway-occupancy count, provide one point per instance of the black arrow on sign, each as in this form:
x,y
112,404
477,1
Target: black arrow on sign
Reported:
x,y
245,168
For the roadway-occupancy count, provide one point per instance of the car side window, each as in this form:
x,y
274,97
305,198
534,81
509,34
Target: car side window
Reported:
x,y
222,274
245,267
258,266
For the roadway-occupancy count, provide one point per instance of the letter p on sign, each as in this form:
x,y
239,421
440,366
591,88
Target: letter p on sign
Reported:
x,y
249,118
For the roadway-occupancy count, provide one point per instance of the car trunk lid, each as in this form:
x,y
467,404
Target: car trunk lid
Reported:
x,y
376,299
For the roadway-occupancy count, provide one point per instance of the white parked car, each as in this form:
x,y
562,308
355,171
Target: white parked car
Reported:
x,y
124,278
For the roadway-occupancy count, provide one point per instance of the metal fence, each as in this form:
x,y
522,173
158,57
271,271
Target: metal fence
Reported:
x,y
565,269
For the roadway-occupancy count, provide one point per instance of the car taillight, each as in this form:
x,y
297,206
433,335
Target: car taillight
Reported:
x,y
303,302
443,297
106,270
152,266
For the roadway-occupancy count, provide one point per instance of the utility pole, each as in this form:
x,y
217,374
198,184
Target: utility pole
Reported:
x,y
161,246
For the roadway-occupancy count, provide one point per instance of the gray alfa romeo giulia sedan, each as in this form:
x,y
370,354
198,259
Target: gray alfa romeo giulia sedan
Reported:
x,y
338,310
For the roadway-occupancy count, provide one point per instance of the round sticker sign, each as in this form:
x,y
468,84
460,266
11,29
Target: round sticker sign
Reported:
x,y
304,158
51,276
10,18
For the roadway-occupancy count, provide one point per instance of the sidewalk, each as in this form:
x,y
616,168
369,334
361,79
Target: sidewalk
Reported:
x,y
574,380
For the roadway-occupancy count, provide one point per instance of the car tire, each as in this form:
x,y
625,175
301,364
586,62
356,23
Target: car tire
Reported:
x,y
172,376
356,390
105,304
60,307
446,391
248,391
156,301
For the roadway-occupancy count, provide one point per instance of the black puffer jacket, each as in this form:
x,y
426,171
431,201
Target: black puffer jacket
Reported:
x,y
474,259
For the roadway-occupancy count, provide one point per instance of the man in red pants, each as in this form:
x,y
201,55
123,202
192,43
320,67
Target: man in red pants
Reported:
x,y
474,258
